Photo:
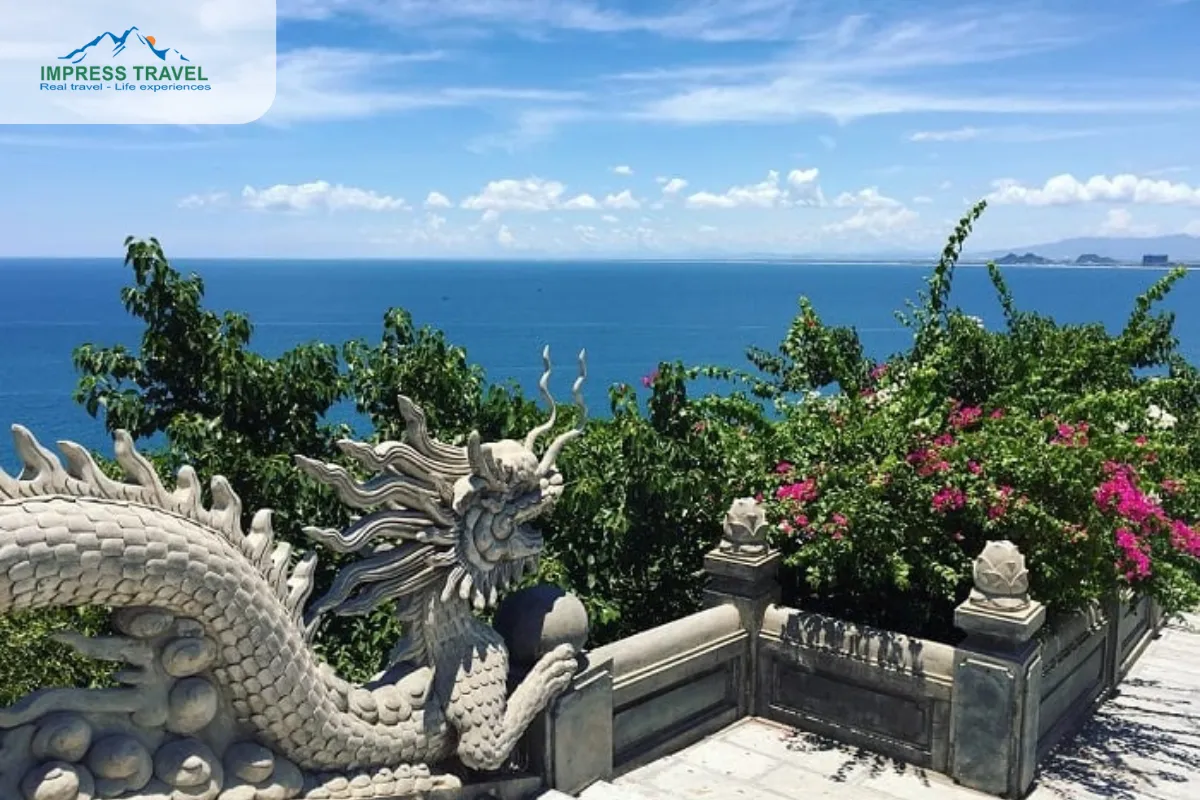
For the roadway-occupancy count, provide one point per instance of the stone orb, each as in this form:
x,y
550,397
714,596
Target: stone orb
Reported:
x,y
56,780
535,620
62,736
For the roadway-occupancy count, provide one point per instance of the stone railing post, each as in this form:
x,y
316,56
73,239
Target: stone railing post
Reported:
x,y
741,571
997,678
570,744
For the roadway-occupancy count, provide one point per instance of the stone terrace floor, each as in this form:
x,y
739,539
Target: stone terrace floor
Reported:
x,y
1143,744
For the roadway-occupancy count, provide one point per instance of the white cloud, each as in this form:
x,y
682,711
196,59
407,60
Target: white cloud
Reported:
x,y
437,200
582,202
530,194
944,185
877,223
537,194
609,218
871,66
325,83
1119,222
801,189
715,20
673,185
203,200
804,187
1010,133
766,194
956,135
623,200
623,170
491,215
504,237
319,195
922,200
1192,228
1066,189
865,198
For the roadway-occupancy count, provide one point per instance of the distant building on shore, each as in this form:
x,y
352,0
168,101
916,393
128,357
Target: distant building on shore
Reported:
x,y
1155,261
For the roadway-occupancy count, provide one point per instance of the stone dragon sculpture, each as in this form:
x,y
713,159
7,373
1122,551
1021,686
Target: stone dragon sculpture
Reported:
x,y
224,698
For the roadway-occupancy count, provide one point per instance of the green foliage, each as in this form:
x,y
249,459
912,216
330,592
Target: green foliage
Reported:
x,y
645,497
891,488
454,393
30,658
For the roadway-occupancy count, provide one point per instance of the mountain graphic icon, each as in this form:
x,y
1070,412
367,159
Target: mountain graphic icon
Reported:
x,y
131,41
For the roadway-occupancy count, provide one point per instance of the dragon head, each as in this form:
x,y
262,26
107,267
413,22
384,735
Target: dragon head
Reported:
x,y
455,515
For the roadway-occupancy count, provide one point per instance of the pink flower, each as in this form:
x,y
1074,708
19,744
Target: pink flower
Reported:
x,y
1185,538
839,520
997,413
1121,495
974,467
1071,435
944,440
758,498
1140,441
783,467
866,392
918,456
648,380
948,499
958,536
1136,562
996,511
965,417
1172,486
878,371
801,520
801,492
786,527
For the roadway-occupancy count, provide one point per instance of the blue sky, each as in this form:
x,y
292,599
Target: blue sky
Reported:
x,y
417,128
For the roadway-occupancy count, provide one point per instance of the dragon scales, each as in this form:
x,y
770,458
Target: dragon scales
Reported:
x,y
224,697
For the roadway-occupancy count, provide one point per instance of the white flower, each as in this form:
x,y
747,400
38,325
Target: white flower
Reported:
x,y
884,396
1159,418
1122,427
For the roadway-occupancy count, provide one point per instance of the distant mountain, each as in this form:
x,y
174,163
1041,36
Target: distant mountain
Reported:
x,y
1122,249
1028,258
1093,260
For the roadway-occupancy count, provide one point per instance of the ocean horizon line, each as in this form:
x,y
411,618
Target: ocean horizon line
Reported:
x,y
611,260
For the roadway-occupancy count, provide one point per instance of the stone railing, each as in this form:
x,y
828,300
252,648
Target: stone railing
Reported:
x,y
984,712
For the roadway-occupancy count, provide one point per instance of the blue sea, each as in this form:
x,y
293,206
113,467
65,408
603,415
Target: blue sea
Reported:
x,y
628,315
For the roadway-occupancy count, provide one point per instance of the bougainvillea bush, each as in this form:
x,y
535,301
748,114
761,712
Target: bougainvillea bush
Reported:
x,y
1079,445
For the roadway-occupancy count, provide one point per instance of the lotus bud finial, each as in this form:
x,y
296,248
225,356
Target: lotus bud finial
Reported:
x,y
1001,580
745,527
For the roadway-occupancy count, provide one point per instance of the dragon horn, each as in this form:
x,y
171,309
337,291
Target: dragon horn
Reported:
x,y
547,462
544,387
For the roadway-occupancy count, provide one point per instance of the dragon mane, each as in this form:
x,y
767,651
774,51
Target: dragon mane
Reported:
x,y
440,517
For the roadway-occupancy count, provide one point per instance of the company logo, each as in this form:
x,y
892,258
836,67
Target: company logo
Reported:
x,y
131,62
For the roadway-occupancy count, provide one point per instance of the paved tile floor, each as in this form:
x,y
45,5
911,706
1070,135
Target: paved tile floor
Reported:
x,y
1143,744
